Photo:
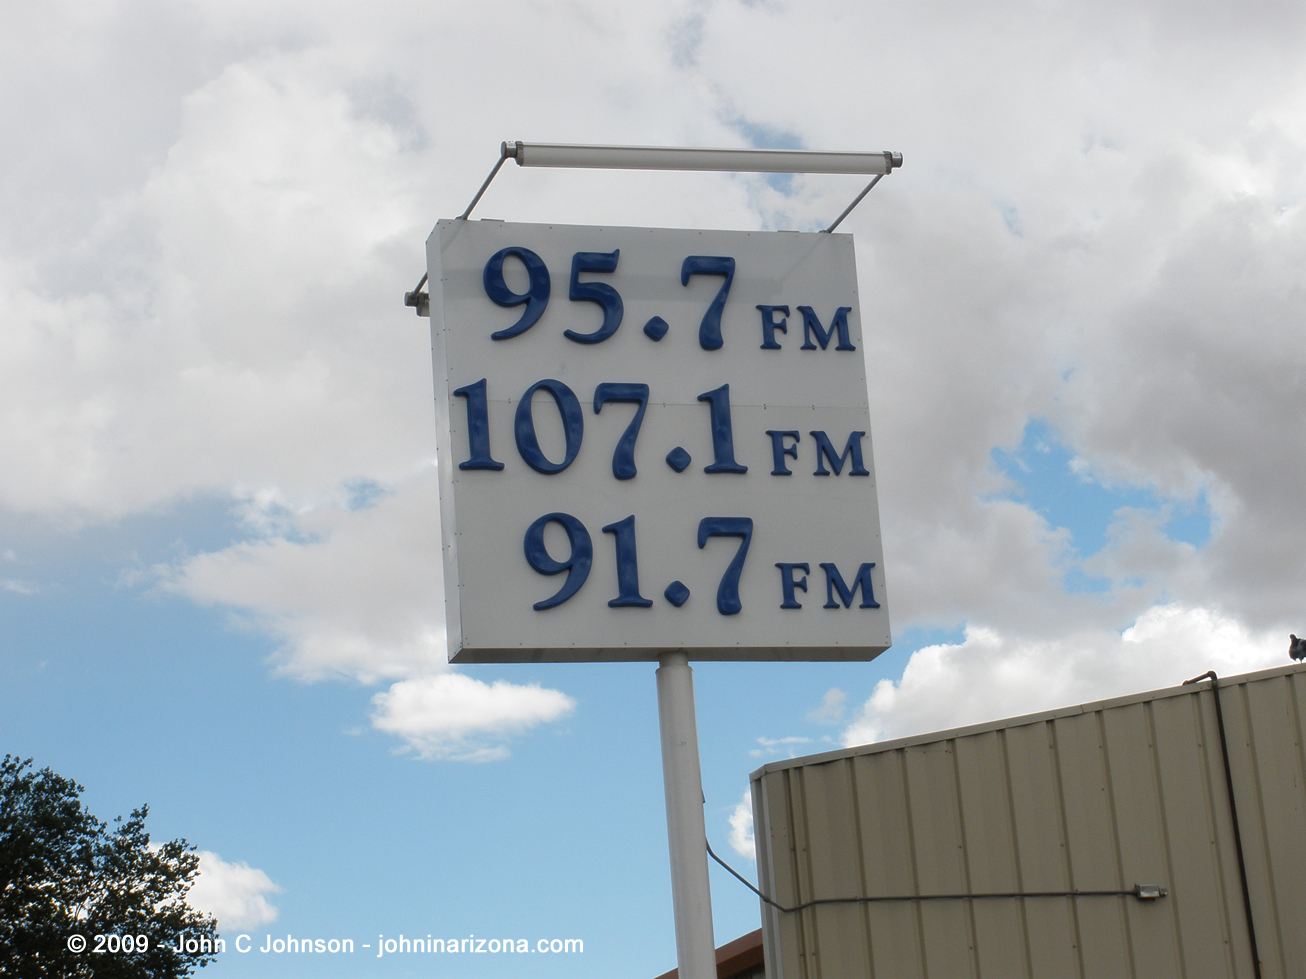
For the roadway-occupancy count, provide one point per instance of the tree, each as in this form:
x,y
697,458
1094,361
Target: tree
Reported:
x,y
64,873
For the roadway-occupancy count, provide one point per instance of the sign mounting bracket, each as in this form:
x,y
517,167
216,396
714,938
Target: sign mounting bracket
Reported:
x,y
580,156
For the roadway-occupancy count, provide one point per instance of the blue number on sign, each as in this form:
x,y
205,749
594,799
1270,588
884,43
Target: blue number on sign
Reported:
x,y
535,298
709,331
628,595
478,427
573,427
578,561
727,593
596,292
623,456
723,437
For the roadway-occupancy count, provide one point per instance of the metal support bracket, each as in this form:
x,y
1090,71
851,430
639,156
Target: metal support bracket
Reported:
x,y
856,200
677,158
504,153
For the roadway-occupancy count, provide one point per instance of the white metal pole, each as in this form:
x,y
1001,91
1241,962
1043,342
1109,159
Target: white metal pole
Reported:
x,y
690,895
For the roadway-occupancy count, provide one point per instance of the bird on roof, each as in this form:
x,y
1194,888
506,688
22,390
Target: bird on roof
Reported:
x,y
1296,647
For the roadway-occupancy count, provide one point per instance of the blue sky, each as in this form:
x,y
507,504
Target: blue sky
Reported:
x,y
219,532
1063,489
147,698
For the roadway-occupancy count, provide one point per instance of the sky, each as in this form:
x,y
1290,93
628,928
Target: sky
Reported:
x,y
1082,303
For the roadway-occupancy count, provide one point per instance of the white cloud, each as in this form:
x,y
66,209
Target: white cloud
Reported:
x,y
773,747
357,594
451,715
207,240
201,274
991,675
741,827
350,593
831,709
234,893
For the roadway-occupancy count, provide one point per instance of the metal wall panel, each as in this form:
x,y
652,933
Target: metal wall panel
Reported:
x,y
1097,797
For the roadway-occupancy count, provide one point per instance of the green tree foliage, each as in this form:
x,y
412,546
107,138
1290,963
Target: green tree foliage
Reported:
x,y
65,873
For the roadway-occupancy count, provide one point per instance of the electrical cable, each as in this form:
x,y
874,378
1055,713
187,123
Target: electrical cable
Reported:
x,y
1233,812
1144,892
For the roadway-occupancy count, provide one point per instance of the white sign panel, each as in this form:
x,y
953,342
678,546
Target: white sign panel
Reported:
x,y
653,439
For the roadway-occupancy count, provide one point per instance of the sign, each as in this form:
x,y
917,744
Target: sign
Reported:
x,y
653,440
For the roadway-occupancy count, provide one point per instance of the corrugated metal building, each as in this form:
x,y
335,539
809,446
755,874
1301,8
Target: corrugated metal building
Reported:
x,y
1099,797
